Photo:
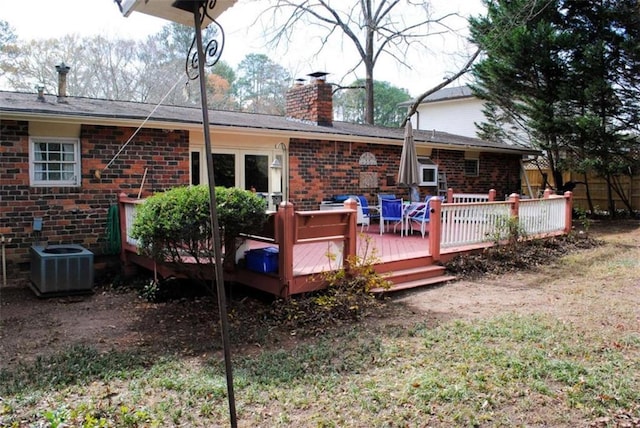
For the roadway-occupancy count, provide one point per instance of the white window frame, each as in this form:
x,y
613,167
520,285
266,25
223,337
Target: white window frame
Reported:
x,y
77,176
427,164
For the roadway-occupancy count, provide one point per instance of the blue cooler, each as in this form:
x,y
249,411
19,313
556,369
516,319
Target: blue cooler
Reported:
x,y
264,260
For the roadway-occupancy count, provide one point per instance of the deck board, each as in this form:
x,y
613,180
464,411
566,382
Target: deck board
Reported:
x,y
310,258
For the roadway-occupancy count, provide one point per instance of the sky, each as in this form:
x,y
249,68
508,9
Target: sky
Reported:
x,y
43,19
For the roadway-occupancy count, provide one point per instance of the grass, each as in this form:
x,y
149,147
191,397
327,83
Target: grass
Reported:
x,y
460,373
561,368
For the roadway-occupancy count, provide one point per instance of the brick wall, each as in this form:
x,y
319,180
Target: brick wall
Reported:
x,y
319,169
496,171
312,102
79,215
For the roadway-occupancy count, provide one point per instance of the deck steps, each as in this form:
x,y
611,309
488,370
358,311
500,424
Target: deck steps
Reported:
x,y
419,276
437,280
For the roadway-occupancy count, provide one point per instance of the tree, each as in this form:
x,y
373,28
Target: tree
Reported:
x,y
261,85
567,73
149,71
8,48
350,103
374,28
100,67
605,68
522,74
220,87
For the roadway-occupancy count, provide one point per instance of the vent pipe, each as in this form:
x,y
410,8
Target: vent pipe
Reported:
x,y
40,89
62,70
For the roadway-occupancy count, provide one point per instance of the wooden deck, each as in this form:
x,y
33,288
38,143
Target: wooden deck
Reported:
x,y
311,242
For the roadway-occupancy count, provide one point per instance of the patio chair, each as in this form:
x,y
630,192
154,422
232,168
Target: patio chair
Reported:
x,y
421,216
382,196
366,212
391,211
363,212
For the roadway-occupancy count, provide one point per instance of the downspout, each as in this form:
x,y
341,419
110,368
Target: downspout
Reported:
x,y
4,260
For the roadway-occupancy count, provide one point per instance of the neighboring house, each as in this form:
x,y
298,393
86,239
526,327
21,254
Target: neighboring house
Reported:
x,y
65,160
454,110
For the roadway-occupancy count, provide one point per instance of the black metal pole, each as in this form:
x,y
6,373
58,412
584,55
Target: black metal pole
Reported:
x,y
217,247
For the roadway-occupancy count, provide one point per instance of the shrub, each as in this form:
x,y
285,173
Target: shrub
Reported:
x,y
176,223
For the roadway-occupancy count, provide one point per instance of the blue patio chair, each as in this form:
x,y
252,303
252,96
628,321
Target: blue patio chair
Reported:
x,y
391,211
421,215
386,196
364,215
366,212
382,196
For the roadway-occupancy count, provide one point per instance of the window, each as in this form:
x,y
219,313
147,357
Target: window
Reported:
x,y
256,172
224,169
195,168
428,172
54,162
471,167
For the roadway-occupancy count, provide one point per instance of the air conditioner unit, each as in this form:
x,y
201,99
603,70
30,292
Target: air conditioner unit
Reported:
x,y
58,270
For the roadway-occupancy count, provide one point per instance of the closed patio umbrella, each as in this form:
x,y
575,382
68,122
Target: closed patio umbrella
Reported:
x,y
409,174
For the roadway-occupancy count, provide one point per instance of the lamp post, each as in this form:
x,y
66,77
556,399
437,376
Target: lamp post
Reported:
x,y
198,10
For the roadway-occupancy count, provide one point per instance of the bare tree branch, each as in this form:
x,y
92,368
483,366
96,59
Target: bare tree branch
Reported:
x,y
375,28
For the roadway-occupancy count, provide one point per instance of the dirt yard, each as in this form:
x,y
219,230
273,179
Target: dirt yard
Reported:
x,y
117,319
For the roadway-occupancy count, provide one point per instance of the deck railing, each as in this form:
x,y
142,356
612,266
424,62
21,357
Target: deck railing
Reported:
x,y
460,224
463,198
471,223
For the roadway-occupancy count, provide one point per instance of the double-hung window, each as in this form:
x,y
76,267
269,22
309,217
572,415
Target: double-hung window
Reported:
x,y
54,162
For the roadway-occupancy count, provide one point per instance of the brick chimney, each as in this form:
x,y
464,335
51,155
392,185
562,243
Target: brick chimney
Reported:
x,y
311,102
62,70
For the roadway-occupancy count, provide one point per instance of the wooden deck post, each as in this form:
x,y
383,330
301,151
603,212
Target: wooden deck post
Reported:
x,y
568,213
435,226
285,235
350,241
514,199
450,195
492,195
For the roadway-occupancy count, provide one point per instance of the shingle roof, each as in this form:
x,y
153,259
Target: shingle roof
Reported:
x,y
444,94
92,110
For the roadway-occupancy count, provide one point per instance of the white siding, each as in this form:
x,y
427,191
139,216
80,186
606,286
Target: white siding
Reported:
x,y
456,116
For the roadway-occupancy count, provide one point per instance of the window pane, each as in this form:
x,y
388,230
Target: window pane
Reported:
x,y
224,167
256,172
195,168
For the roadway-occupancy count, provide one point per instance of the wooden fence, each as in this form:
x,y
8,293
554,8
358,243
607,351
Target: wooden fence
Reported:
x,y
597,189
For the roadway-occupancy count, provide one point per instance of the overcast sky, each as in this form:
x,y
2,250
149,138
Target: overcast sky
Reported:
x,y
42,19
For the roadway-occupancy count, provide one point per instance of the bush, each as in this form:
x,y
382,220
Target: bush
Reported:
x,y
176,223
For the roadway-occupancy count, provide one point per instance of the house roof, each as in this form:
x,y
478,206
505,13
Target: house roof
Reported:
x,y
444,94
26,106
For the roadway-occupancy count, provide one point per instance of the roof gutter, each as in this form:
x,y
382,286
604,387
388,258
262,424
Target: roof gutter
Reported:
x,y
233,129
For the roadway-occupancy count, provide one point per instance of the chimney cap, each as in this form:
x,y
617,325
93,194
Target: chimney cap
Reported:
x,y
318,75
62,68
